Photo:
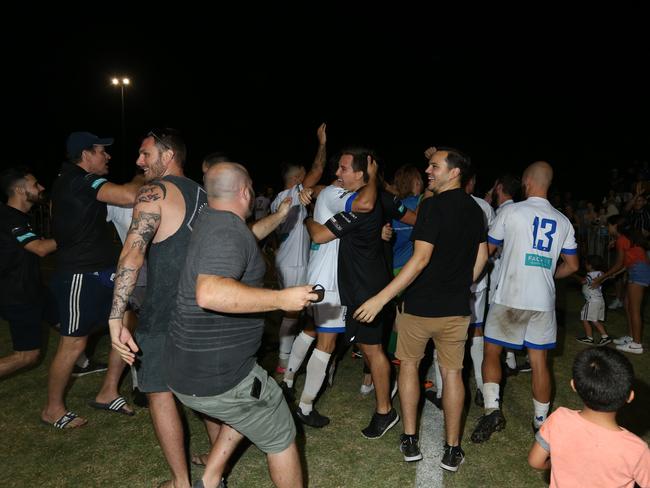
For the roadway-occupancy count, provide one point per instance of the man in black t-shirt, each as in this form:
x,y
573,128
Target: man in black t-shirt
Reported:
x,y
450,251
85,264
24,302
362,272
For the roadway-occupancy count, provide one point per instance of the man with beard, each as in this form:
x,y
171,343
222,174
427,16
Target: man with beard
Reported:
x,y
23,299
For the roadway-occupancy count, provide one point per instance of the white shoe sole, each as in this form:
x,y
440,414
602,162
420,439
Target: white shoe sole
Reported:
x,y
453,469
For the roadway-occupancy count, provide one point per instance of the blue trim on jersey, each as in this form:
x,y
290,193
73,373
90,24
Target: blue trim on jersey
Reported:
x,y
477,324
569,251
337,330
98,182
25,236
496,242
530,345
509,345
348,203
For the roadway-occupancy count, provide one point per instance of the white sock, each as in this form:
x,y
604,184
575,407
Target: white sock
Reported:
x,y
316,370
82,360
476,352
541,412
436,370
286,339
134,377
491,396
510,360
298,353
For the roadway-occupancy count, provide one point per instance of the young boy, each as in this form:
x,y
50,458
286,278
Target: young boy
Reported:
x,y
593,310
587,446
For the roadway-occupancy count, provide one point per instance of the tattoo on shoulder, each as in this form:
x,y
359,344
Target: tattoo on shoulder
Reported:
x,y
151,192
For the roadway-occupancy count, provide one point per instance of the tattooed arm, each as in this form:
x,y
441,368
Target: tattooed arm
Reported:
x,y
144,225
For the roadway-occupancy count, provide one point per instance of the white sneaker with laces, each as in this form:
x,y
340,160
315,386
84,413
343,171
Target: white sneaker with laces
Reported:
x,y
616,303
622,340
366,389
632,347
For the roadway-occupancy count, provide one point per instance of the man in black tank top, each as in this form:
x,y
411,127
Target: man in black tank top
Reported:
x,y
163,217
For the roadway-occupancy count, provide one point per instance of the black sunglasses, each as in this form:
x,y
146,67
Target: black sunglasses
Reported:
x,y
159,134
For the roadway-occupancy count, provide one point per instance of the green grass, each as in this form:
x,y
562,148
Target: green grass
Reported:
x,y
116,450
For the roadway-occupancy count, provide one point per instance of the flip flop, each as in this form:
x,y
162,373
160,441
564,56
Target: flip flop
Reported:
x,y
63,422
116,406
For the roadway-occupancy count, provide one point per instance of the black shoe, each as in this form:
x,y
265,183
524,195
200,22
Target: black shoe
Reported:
x,y
508,371
478,399
431,396
380,424
525,368
287,391
90,368
139,398
452,458
487,425
314,419
585,340
408,444
604,341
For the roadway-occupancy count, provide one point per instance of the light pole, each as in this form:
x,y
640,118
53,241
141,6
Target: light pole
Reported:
x,y
122,82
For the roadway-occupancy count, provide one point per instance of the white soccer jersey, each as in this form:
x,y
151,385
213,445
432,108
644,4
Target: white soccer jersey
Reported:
x,y
592,294
324,258
292,233
488,218
533,235
496,257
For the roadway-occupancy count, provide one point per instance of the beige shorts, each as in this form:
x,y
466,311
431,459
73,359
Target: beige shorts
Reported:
x,y
448,333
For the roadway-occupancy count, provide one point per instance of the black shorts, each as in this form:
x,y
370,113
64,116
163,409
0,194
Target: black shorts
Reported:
x,y
25,322
363,333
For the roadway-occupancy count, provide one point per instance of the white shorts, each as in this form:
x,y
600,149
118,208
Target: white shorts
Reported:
x,y
292,276
515,329
477,302
329,315
594,310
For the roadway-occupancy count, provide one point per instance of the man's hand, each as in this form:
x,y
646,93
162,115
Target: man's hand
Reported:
x,y
296,298
429,152
369,310
372,169
386,232
283,208
305,196
322,134
122,341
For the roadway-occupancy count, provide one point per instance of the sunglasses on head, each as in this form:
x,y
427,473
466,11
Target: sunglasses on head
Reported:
x,y
159,134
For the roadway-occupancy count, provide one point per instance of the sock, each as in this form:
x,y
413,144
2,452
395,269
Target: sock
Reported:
x,y
476,351
286,339
134,377
491,396
436,370
541,412
298,353
510,360
83,360
316,368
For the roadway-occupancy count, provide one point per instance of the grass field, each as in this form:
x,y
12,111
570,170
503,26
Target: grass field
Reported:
x,y
114,450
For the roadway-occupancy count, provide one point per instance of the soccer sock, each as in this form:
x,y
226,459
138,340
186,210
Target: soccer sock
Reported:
x,y
541,412
134,377
82,360
298,353
316,368
511,361
436,369
286,339
491,397
476,351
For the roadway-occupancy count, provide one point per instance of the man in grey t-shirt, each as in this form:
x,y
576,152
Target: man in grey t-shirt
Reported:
x,y
217,328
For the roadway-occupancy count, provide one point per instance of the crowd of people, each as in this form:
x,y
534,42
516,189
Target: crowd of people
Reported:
x,y
385,268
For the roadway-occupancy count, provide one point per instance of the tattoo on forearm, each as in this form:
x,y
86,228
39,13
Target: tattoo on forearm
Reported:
x,y
143,228
125,279
150,193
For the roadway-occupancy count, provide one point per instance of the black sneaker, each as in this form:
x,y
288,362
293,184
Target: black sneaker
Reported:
x,y
139,398
585,339
452,458
604,341
380,424
314,419
487,425
90,368
408,444
287,391
478,399
508,371
525,368
432,396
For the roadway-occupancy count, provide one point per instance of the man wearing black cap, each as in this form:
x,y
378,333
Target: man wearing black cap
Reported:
x,y
85,263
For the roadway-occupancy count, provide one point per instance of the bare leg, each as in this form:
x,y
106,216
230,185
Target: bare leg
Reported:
x,y
633,300
588,329
600,327
18,360
109,389
453,397
541,377
285,469
167,424
409,394
380,371
491,363
222,449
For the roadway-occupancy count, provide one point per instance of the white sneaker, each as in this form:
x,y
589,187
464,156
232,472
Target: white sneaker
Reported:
x,y
631,347
616,303
622,340
366,389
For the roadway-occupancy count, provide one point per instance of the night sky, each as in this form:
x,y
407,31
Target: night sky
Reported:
x,y
507,86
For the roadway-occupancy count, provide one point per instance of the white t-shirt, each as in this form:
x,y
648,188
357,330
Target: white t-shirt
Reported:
x,y
292,233
488,214
324,258
121,218
496,257
261,207
533,235
592,294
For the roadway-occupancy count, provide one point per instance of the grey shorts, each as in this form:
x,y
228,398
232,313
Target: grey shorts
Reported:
x,y
266,421
149,364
